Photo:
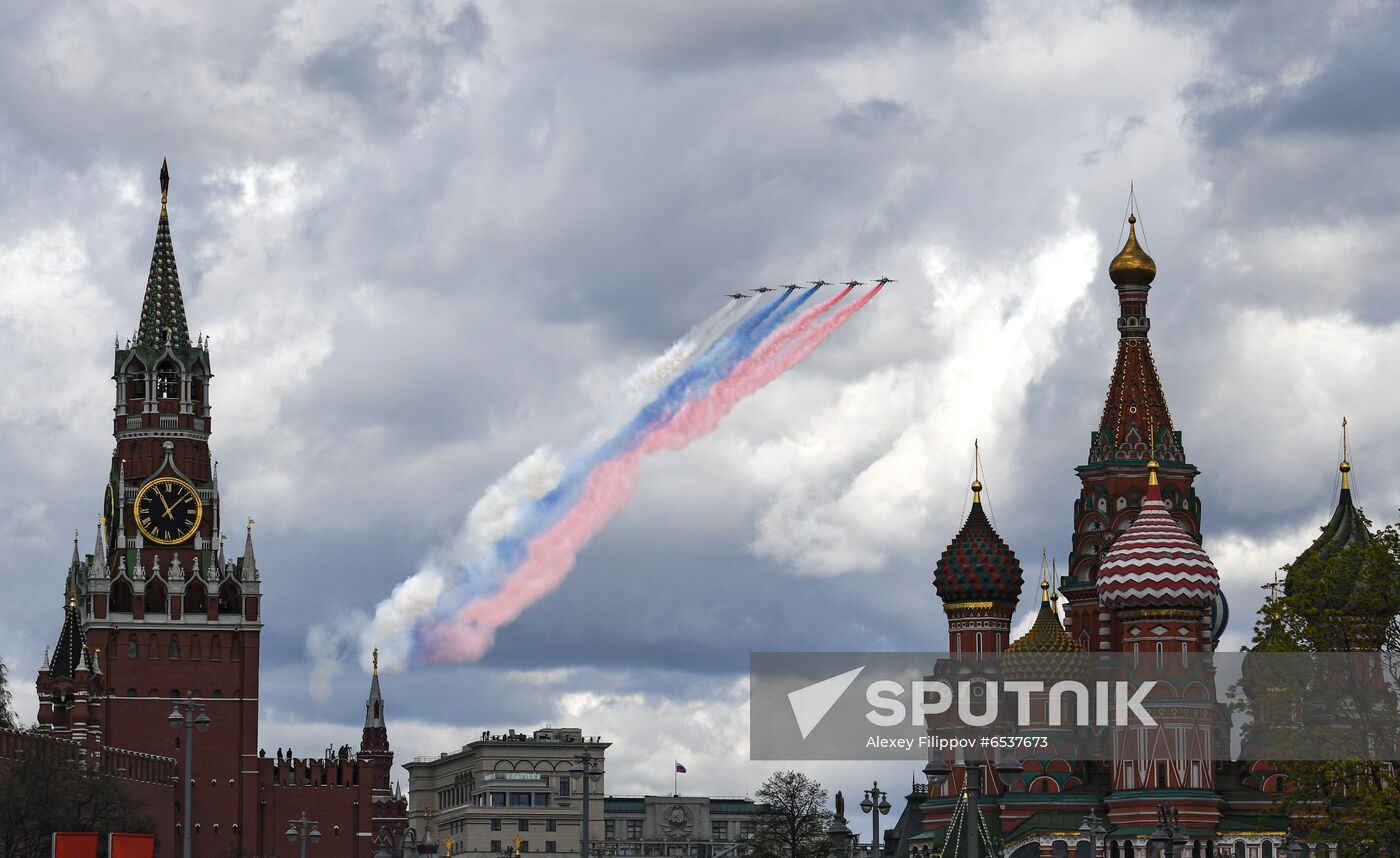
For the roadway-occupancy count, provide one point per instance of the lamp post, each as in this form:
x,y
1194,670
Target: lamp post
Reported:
x,y
875,803
1093,829
190,715
303,829
589,768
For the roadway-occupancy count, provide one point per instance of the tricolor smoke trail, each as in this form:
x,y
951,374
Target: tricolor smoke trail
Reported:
x,y
523,537
551,556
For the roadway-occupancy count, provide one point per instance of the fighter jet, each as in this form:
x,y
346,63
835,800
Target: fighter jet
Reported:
x,y
819,282
760,290
791,287
737,295
852,284
885,280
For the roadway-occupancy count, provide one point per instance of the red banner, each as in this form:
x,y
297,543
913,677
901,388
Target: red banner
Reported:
x,y
74,845
131,846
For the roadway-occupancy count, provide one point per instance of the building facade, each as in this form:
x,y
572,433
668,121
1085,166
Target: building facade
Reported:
x,y
507,792
681,826
1138,582
161,613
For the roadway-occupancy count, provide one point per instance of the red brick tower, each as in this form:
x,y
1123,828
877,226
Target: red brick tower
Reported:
x,y
389,819
1136,427
170,614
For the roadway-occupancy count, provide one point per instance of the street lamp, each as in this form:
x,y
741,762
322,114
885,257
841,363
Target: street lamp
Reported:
x,y
590,768
303,829
1093,830
190,715
875,803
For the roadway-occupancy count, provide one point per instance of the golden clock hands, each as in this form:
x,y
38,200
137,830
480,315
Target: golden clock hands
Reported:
x,y
168,511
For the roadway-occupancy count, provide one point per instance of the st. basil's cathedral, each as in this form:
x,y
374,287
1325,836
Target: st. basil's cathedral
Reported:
x,y
161,616
1138,581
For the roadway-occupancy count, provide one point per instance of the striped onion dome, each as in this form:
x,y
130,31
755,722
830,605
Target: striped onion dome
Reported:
x,y
1155,563
977,566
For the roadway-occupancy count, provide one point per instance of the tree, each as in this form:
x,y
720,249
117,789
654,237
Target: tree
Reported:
x,y
41,796
1346,600
792,818
7,717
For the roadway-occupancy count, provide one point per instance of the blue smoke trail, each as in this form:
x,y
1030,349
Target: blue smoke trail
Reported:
x,y
714,364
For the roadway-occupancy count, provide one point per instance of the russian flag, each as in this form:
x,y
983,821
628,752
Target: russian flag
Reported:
x,y
680,768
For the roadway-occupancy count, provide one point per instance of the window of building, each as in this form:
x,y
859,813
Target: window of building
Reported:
x,y
156,602
216,650
1159,655
549,825
522,825
131,692
634,829
229,598
1161,776
120,601
174,647
495,846
524,846
520,799
167,381
152,647
541,799
549,846
196,597
194,648
746,828
495,823
498,799
609,829
566,786
133,649
719,830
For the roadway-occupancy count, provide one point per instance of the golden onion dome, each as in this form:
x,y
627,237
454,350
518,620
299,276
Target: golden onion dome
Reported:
x,y
1132,266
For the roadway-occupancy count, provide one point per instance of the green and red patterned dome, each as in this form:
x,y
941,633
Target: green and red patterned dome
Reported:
x,y
977,566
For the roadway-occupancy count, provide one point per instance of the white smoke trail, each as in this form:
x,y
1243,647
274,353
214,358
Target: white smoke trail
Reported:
x,y
669,363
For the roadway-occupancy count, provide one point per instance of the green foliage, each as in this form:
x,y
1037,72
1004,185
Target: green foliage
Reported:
x,y
793,819
7,716
39,797
1344,600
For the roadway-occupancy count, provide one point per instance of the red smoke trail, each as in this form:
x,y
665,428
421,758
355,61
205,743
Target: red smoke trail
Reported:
x,y
553,554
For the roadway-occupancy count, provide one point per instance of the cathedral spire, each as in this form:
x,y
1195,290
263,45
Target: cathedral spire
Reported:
x,y
374,706
163,309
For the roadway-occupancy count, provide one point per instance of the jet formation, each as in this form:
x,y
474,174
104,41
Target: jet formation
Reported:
x,y
815,284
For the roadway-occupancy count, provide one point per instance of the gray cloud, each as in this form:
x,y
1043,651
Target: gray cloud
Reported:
x,y
428,238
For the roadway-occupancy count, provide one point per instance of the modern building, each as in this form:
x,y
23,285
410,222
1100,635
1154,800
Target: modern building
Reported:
x,y
681,826
509,791
1138,581
160,615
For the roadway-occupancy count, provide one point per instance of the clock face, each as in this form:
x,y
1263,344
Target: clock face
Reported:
x,y
168,511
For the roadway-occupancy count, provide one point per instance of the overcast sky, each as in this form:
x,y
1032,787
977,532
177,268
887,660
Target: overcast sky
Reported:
x,y
427,237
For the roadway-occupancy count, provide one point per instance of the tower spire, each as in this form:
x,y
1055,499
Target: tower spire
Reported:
x,y
1345,466
163,308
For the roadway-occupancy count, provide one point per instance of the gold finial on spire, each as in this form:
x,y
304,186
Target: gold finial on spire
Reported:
x,y
1345,467
1044,576
976,472
1151,452
376,661
1054,594
164,184
1132,266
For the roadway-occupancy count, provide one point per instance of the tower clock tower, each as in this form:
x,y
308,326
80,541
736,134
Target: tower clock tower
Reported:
x,y
164,613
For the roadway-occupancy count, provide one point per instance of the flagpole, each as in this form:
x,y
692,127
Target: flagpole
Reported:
x,y
675,779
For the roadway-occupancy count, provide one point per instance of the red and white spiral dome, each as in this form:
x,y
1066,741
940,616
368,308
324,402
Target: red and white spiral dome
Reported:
x,y
1155,563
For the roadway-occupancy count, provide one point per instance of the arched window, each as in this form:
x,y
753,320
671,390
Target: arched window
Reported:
x,y
167,381
133,649
131,692
121,596
136,380
152,647
216,652
197,390
174,647
218,693
196,597
194,648
1239,849
229,598
1266,850
156,603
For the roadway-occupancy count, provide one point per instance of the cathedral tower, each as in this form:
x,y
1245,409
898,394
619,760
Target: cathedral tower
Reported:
x,y
1136,427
